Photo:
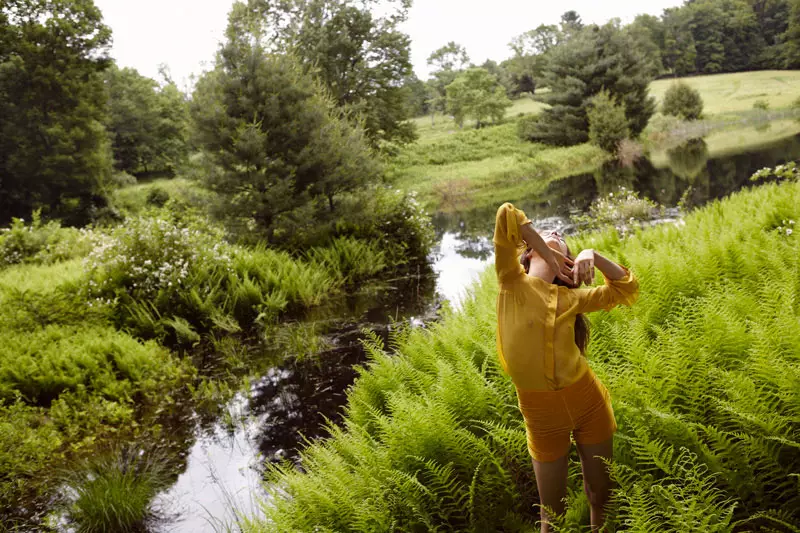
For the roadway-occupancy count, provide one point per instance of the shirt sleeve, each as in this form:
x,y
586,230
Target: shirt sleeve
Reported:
x,y
613,293
508,243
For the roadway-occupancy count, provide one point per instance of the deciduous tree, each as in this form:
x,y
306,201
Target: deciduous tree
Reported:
x,y
54,152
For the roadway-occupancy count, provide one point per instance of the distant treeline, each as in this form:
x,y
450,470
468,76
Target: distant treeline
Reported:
x,y
700,37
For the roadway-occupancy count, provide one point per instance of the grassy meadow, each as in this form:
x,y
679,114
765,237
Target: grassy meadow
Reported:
x,y
454,169
732,93
703,370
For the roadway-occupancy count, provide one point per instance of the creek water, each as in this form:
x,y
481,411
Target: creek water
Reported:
x,y
288,403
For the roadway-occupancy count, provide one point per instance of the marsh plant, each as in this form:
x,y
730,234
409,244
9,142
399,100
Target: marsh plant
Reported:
x,y
114,492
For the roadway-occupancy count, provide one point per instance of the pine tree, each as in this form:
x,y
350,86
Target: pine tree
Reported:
x,y
281,148
596,58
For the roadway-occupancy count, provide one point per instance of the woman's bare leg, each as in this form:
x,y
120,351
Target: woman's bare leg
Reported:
x,y
596,479
551,480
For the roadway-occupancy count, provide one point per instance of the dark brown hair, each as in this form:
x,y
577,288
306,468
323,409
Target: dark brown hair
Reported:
x,y
582,323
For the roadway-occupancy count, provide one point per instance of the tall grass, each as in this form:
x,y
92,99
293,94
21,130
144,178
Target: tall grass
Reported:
x,y
704,373
114,492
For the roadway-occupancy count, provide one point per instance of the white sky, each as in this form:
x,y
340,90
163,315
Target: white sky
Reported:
x,y
185,34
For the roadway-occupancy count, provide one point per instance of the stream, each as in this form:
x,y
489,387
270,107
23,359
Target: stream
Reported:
x,y
268,421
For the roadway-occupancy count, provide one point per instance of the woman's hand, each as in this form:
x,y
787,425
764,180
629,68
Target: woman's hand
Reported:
x,y
583,269
561,265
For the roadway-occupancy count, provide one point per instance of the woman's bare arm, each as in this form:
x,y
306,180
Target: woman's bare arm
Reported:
x,y
585,263
561,265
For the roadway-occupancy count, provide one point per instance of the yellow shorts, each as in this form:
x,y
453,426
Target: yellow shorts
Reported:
x,y
583,408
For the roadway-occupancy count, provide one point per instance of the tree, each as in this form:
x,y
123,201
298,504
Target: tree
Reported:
x,y
597,58
648,32
680,53
476,93
447,61
148,124
706,24
608,125
571,24
791,52
362,58
504,77
54,152
682,101
282,150
536,41
451,57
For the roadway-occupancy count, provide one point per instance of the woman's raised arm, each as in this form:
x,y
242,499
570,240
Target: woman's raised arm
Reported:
x,y
512,232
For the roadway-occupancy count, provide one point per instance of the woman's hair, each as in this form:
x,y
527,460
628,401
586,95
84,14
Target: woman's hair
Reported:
x,y
582,323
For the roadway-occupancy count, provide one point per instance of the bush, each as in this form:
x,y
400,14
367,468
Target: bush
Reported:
x,y
621,210
762,105
120,180
682,101
607,123
41,243
157,197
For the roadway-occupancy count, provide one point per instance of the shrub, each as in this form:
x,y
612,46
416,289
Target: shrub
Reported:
x,y
149,255
621,210
762,105
607,123
120,180
30,444
682,101
42,243
157,197
629,152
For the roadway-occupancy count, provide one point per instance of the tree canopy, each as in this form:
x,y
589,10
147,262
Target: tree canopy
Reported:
x,y
476,93
362,58
148,123
54,152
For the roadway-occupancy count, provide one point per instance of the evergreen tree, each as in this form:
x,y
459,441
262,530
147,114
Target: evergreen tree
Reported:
x,y
54,152
595,59
607,123
708,31
281,148
682,101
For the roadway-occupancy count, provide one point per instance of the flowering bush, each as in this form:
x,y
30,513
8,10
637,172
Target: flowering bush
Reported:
x,y
41,243
148,256
621,210
788,171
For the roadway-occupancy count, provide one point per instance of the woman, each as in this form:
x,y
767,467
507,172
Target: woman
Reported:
x,y
541,339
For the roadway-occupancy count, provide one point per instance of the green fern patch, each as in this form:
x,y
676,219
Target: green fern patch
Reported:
x,y
704,372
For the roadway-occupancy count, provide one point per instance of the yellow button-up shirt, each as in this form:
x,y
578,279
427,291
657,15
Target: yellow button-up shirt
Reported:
x,y
536,319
